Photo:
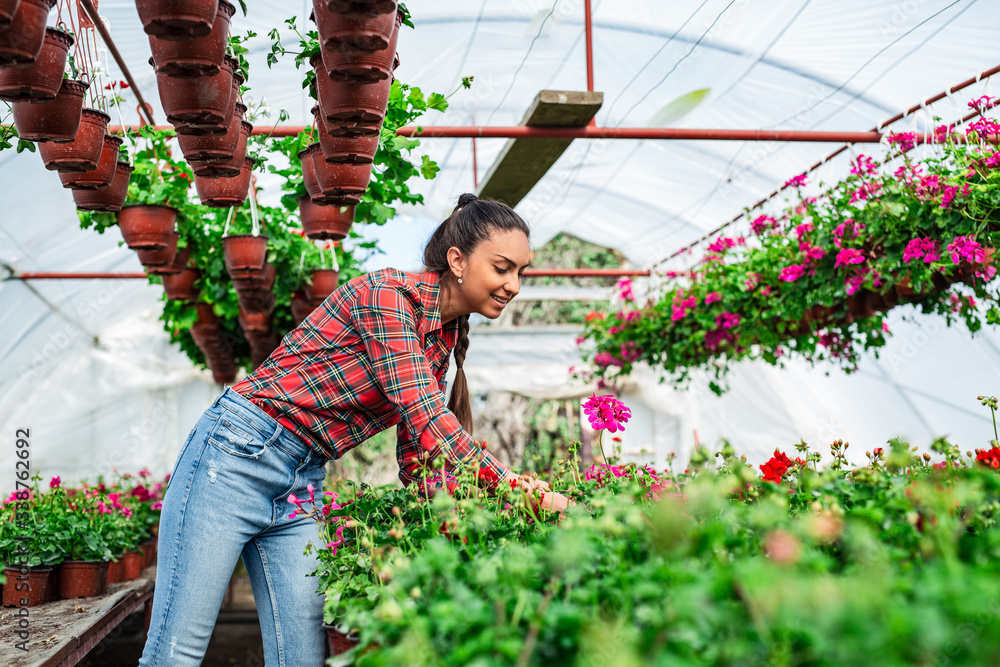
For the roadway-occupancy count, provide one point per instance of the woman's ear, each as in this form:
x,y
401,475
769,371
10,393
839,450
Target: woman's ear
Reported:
x,y
456,262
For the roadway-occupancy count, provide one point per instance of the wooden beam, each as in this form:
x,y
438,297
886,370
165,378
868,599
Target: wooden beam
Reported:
x,y
523,162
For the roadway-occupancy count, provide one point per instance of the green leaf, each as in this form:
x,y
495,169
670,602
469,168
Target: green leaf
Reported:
x,y
679,108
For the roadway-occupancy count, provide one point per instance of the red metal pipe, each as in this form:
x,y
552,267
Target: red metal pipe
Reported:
x,y
521,131
588,28
584,273
42,275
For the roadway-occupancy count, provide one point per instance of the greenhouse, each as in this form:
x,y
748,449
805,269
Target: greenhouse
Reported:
x,y
499,332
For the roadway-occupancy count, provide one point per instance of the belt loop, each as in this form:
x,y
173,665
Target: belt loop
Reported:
x,y
219,398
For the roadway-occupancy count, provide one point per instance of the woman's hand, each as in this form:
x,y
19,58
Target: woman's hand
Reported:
x,y
540,494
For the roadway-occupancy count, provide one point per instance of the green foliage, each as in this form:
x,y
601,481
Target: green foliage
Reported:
x,y
8,133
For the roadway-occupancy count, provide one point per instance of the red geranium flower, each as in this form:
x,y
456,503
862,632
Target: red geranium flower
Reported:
x,y
776,467
989,457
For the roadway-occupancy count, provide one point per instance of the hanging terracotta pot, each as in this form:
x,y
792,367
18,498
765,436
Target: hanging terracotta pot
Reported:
x,y
179,264
177,19
100,178
256,302
231,167
81,579
324,282
351,34
147,226
213,148
244,252
37,580
204,101
225,192
340,184
362,8
255,322
251,280
225,375
181,286
363,66
110,199
42,79
325,222
345,103
24,32
348,150
57,120
309,171
198,56
200,128
337,642
160,258
84,152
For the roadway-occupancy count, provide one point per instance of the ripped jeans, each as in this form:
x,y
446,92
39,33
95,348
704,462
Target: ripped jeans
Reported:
x,y
227,498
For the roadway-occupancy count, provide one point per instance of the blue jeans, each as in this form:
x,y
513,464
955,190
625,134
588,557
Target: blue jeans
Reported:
x,y
227,498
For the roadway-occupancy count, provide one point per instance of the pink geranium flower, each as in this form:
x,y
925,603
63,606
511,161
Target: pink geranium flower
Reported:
x,y
792,273
712,297
625,289
965,248
849,256
796,181
55,482
761,224
921,248
606,412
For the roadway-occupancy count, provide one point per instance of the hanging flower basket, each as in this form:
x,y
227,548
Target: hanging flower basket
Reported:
x,y
363,66
231,167
325,222
108,199
225,192
204,101
178,264
24,32
340,184
345,103
201,128
362,8
244,252
350,34
337,642
181,286
160,258
324,283
198,56
84,152
82,578
147,226
100,178
57,120
309,171
42,79
348,150
214,148
177,19
226,375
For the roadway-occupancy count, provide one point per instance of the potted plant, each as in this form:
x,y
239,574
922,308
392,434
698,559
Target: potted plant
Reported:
x,y
41,79
363,66
30,546
24,32
202,101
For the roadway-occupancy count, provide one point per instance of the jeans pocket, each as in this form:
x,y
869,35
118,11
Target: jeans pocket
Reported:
x,y
234,436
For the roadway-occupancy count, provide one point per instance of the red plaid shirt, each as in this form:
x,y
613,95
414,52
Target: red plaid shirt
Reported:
x,y
373,355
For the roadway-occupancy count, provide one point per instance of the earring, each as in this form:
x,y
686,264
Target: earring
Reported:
x,y
460,280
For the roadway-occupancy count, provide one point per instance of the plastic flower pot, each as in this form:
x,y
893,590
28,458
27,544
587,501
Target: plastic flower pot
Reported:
x,y
231,167
37,578
256,302
56,120
203,128
198,102
40,80
255,322
348,150
363,66
81,579
309,171
342,184
131,565
225,192
181,286
198,56
84,152
324,282
244,252
253,280
214,148
337,642
360,8
177,19
175,267
879,302
7,10
149,551
159,258
24,32
100,178
115,571
349,103
325,222
147,226
108,199
225,375
350,33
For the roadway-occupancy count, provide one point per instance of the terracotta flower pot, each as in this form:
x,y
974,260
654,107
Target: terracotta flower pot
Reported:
x,y
225,375
81,579
213,148
115,571
364,66
108,199
100,178
342,184
131,565
181,286
255,322
56,120
337,642
351,34
201,127
348,150
225,192
231,167
256,302
177,19
160,258
7,10
325,222
147,226
179,264
244,251
309,171
37,578
324,283
879,302
349,103
362,8
198,56
24,32
42,79
202,101
858,306
84,152
254,280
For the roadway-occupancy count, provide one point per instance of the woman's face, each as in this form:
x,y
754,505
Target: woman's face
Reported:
x,y
491,275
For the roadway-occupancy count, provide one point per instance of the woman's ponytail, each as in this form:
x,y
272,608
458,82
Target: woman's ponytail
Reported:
x,y
461,403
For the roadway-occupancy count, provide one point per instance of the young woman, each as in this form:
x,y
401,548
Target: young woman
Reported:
x,y
374,355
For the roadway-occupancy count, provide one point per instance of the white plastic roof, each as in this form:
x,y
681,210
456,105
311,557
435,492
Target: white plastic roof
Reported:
x,y
86,365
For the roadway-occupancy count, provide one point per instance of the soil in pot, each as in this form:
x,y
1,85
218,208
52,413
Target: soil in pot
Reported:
x,y
24,32
56,120
108,199
324,282
231,167
80,579
177,19
84,152
147,226
202,101
198,56
41,80
37,580
363,66
325,222
181,286
159,258
100,178
214,148
225,192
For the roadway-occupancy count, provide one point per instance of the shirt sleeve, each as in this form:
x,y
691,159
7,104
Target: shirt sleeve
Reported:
x,y
386,322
